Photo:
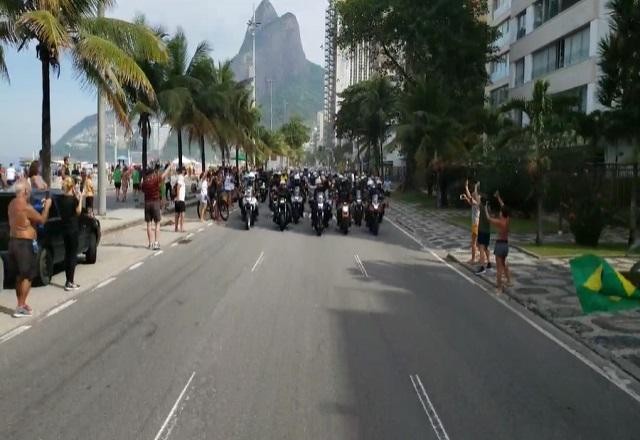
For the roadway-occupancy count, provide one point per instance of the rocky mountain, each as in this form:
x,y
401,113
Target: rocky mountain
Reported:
x,y
280,59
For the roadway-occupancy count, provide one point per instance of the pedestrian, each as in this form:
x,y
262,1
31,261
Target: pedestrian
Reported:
x,y
89,194
135,179
11,175
64,170
167,187
473,199
23,244
502,245
181,194
152,213
126,177
69,208
204,195
484,239
35,179
117,181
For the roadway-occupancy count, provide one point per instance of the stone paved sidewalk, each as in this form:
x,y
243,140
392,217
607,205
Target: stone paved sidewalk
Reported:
x,y
542,286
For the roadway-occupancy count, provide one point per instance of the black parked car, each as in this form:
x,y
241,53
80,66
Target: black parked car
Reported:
x,y
50,239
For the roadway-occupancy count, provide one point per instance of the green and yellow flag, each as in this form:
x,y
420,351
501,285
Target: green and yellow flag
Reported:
x,y
600,287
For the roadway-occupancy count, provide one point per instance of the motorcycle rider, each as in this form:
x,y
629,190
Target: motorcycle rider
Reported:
x,y
344,195
282,192
249,182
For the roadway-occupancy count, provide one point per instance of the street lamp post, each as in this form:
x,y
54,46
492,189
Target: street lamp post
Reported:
x,y
253,26
102,158
270,81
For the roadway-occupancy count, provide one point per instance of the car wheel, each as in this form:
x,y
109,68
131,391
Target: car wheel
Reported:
x,y
45,267
91,255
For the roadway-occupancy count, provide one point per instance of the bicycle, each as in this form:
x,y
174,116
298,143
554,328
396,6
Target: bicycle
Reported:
x,y
218,208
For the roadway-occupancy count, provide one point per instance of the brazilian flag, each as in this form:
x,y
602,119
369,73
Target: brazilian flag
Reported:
x,y
600,287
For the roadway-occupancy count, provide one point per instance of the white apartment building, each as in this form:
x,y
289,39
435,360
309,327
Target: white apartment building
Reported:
x,y
555,40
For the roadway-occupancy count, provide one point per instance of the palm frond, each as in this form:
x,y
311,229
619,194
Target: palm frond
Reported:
x,y
4,72
45,27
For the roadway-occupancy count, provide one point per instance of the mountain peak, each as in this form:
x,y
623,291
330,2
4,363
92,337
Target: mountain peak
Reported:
x,y
266,13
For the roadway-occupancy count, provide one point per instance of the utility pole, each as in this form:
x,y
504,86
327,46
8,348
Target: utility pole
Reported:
x,y
270,81
253,26
102,157
115,140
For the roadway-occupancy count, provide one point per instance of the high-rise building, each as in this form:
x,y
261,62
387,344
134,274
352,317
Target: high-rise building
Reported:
x,y
553,40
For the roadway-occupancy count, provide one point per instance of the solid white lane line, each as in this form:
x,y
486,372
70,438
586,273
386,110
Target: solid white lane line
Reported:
x,y
258,261
361,266
428,407
137,265
104,283
605,372
61,307
175,407
13,333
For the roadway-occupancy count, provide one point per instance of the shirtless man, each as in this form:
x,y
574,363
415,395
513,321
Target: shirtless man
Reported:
x,y
502,244
23,248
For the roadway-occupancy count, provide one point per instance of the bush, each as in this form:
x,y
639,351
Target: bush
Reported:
x,y
587,221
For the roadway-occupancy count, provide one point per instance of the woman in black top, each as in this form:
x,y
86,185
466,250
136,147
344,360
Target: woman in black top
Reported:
x,y
70,207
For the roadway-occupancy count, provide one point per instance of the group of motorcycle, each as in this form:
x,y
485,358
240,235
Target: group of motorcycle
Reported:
x,y
287,203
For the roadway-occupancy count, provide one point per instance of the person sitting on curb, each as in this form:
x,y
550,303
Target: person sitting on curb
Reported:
x,y
502,245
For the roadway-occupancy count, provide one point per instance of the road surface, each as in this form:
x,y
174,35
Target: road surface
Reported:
x,y
268,335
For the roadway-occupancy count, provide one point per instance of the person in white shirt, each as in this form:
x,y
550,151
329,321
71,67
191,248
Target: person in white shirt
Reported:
x,y
204,195
181,194
11,175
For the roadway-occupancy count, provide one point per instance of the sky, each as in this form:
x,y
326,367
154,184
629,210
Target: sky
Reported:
x,y
221,22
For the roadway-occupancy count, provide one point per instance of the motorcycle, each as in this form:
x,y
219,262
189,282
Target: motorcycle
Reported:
x,y
373,214
328,213
358,209
263,192
343,217
297,205
249,208
317,215
282,215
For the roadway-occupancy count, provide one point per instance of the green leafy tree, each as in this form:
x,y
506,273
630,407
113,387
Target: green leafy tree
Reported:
x,y
620,85
103,52
295,133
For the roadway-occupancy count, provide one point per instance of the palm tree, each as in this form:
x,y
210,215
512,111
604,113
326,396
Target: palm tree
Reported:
x,y
539,110
620,88
7,34
103,51
175,94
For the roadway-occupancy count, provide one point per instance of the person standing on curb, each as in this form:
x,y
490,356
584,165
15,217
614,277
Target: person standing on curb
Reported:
x,y
474,201
70,207
180,206
117,181
23,244
502,245
152,212
484,239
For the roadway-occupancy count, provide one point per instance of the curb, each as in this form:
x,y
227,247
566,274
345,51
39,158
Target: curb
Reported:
x,y
624,364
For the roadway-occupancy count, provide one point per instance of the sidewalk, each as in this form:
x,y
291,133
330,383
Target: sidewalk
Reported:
x,y
543,286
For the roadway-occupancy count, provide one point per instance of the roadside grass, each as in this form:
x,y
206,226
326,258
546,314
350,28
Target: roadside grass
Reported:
x,y
556,250
518,225
415,198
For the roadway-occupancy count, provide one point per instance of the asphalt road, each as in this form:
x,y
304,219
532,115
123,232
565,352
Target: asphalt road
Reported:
x,y
269,335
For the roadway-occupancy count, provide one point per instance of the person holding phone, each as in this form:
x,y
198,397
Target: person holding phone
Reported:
x,y
70,208
23,243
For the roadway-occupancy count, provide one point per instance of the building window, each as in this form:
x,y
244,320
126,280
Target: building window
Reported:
x,y
503,33
565,52
545,10
521,23
580,95
500,68
499,96
520,72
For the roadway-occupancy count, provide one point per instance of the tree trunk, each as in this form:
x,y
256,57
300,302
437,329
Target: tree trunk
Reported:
x,y
180,148
633,205
539,211
381,160
237,152
45,156
202,154
144,131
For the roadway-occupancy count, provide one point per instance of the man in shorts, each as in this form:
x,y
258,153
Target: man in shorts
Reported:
x,y
152,212
181,194
484,239
23,245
